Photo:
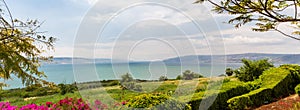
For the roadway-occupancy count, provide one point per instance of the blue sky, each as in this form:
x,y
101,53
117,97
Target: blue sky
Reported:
x,y
144,31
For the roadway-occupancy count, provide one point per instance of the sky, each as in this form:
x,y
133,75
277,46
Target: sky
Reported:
x,y
144,29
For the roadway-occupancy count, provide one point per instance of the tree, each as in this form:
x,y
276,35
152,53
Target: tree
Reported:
x,y
127,82
229,71
252,69
21,48
126,78
189,75
267,14
163,78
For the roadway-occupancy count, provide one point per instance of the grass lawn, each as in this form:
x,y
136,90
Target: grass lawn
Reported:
x,y
182,90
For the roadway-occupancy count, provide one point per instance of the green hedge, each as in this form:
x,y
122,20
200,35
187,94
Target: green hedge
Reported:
x,y
228,90
297,89
253,98
156,102
275,82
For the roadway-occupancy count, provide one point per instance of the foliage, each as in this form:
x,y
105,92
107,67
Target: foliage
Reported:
x,y
163,78
66,104
267,14
30,91
227,91
33,87
179,77
67,88
6,105
275,83
128,83
156,102
253,85
21,48
189,75
297,89
126,78
254,98
229,71
252,69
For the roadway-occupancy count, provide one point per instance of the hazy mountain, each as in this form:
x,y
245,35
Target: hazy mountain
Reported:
x,y
193,59
236,58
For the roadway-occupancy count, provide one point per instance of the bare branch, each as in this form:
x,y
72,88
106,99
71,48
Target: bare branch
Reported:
x,y
287,34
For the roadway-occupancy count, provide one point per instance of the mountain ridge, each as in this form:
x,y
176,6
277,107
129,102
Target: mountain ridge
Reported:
x,y
230,58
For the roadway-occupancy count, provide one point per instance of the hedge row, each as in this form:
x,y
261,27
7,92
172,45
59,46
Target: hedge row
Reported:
x,y
297,89
275,83
156,102
228,90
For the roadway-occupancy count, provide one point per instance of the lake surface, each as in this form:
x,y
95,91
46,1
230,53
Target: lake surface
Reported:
x,y
63,73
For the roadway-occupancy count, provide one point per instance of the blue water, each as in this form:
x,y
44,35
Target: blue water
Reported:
x,y
63,73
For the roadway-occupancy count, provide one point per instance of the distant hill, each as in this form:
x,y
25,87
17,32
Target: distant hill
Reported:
x,y
233,58
236,58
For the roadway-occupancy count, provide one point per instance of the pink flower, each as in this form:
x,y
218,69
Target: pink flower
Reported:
x,y
124,103
49,104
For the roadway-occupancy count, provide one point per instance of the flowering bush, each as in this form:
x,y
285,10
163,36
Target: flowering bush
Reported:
x,y
33,107
70,104
7,106
65,104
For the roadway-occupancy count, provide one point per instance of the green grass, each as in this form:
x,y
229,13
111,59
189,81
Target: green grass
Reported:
x,y
19,101
182,90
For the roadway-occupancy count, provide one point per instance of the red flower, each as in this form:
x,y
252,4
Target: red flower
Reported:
x,y
49,104
124,103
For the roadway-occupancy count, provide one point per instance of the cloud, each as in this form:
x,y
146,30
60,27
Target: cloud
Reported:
x,y
89,2
251,40
137,21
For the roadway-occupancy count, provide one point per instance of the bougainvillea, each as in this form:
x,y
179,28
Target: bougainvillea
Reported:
x,y
66,104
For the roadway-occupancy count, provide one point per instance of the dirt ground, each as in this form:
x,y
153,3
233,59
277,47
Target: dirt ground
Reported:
x,y
282,104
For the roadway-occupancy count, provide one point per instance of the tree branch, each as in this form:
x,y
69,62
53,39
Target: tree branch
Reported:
x,y
286,34
296,12
10,15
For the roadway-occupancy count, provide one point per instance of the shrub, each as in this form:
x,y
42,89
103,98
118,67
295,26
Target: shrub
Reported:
x,y
67,88
227,91
113,83
297,89
188,75
163,78
67,104
254,98
126,78
226,80
275,83
128,83
7,106
156,102
33,87
252,69
147,100
179,77
229,71
253,85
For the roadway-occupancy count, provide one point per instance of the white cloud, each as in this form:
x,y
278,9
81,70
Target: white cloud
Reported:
x,y
251,40
240,40
89,2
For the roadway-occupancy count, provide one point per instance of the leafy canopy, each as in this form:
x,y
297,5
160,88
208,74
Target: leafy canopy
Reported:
x,y
21,48
229,71
252,69
189,75
267,14
128,83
